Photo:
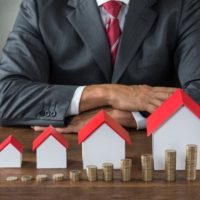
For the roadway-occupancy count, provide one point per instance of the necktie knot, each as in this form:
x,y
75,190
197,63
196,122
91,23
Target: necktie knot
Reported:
x,y
113,8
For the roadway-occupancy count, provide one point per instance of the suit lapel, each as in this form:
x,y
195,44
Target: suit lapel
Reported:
x,y
85,19
139,20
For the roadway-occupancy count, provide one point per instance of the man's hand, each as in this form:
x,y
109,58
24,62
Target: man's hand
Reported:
x,y
123,97
124,118
139,97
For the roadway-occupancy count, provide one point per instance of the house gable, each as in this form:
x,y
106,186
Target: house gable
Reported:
x,y
169,108
97,121
50,131
11,140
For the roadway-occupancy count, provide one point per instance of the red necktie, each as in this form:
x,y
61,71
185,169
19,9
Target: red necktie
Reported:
x,y
113,28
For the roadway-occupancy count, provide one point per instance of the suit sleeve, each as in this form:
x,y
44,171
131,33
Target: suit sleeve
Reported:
x,y
187,55
26,97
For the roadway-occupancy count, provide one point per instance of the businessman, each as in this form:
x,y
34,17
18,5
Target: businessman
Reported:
x,y
66,59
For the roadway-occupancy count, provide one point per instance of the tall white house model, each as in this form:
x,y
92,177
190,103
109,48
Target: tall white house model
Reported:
x,y
11,153
103,141
173,125
51,149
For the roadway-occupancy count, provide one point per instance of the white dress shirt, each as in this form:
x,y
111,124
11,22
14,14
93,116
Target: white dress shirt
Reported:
x,y
74,106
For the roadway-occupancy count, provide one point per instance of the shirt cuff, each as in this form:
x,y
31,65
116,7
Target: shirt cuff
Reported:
x,y
140,120
75,102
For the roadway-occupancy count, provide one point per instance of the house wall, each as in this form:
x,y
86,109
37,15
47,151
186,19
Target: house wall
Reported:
x,y
181,129
10,157
103,146
51,154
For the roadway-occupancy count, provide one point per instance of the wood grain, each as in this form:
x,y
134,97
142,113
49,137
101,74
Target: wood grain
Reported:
x,y
136,189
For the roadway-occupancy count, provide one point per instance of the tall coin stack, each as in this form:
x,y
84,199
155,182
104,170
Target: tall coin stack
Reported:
x,y
107,171
126,168
170,165
191,162
147,167
75,175
91,171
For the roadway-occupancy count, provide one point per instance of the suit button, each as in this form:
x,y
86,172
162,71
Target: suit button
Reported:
x,y
53,114
47,114
42,113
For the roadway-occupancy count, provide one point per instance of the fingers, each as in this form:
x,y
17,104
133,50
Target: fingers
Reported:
x,y
164,89
155,96
160,95
38,128
151,108
155,102
66,130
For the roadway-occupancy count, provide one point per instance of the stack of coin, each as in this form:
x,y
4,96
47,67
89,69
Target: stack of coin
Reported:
x,y
58,177
75,175
107,171
170,165
41,178
126,168
26,178
91,171
147,167
11,178
191,162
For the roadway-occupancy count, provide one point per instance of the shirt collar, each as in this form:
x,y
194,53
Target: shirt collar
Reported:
x,y
100,2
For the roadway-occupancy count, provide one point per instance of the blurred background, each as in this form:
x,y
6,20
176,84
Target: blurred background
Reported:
x,y
8,13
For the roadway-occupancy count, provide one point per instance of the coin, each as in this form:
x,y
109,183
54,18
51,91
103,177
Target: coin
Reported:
x,y
191,162
26,178
11,178
147,167
58,177
126,169
170,165
107,171
41,178
75,175
91,171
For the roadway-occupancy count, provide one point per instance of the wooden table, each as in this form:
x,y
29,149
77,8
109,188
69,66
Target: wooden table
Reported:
x,y
136,189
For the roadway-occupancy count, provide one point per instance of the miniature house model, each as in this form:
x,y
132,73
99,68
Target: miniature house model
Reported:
x,y
10,153
103,141
172,126
51,149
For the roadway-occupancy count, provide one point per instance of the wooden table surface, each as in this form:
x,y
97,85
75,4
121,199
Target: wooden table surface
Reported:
x,y
136,189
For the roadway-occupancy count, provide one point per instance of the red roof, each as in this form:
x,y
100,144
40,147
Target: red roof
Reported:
x,y
50,131
169,107
11,140
97,121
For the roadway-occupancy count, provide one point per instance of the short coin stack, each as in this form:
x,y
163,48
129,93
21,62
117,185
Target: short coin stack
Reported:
x,y
75,175
41,178
147,167
11,178
191,162
126,168
170,165
26,178
107,171
58,177
91,171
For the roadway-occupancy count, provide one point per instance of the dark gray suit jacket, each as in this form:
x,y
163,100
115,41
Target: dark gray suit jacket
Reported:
x,y
58,45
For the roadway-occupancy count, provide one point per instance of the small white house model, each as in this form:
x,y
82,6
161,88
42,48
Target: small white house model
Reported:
x,y
103,141
173,125
10,153
51,149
